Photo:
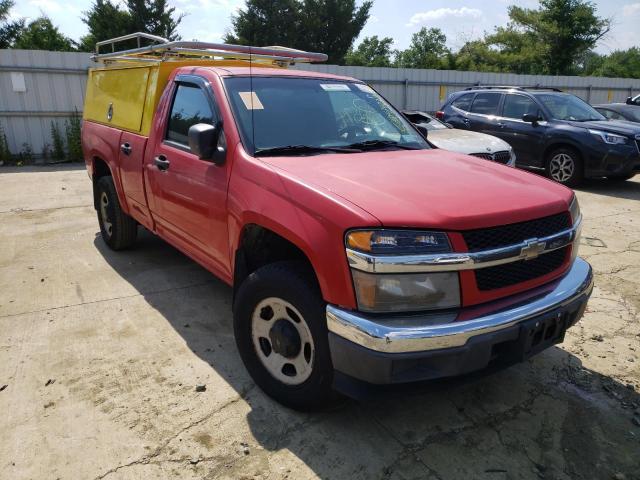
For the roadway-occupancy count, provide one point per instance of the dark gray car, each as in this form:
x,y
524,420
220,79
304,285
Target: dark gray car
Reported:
x,y
620,111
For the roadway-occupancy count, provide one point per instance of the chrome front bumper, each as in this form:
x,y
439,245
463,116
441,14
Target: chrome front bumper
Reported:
x,y
442,330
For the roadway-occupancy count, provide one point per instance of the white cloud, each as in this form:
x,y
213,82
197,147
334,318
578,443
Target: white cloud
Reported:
x,y
631,9
441,13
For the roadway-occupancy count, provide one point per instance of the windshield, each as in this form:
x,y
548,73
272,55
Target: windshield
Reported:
x,y
425,121
564,106
297,116
633,113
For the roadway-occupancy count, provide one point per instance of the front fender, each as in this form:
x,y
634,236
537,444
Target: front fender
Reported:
x,y
309,218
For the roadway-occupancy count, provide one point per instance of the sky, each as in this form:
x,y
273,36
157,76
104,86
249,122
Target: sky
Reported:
x,y
208,20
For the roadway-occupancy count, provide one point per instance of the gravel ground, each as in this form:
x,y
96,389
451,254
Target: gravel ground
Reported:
x,y
100,353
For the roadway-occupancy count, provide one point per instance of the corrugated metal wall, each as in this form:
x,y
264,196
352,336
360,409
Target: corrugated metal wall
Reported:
x,y
427,89
55,84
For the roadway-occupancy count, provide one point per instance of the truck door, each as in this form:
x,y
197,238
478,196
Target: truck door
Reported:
x,y
189,194
132,148
527,139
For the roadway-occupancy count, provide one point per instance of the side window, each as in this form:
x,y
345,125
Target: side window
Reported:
x,y
190,106
486,103
515,106
463,102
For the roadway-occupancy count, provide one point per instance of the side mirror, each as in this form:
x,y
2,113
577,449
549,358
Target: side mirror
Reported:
x,y
629,101
530,118
424,131
207,142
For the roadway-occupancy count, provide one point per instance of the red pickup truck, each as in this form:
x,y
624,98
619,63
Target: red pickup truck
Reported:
x,y
357,252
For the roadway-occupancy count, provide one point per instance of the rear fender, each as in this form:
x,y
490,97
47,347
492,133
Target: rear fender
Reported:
x,y
102,143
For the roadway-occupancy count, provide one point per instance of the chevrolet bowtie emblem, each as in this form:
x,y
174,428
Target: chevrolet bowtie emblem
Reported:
x,y
533,248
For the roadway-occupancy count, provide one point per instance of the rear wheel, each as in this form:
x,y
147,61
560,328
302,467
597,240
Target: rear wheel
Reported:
x,y
281,334
564,165
118,230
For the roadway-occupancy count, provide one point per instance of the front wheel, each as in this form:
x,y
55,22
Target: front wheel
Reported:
x,y
564,165
281,334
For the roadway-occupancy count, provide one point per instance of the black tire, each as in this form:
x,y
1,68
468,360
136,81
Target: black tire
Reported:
x,y
119,230
572,172
293,283
621,178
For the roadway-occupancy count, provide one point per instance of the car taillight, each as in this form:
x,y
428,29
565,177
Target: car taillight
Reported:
x,y
440,115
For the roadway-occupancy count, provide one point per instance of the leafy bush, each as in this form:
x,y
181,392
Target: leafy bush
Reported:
x,y
25,157
5,154
57,154
72,132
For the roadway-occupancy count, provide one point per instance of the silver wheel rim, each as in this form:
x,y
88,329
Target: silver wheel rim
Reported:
x,y
104,204
561,167
270,317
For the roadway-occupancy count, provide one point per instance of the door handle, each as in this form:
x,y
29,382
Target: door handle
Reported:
x,y
126,148
501,125
161,162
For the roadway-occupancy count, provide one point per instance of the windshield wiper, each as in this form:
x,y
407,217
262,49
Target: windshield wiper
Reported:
x,y
302,149
377,144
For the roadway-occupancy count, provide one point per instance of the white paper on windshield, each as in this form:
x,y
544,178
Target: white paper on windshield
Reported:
x,y
364,88
251,101
335,87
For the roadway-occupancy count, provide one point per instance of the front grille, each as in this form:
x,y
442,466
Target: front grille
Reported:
x,y
509,274
504,235
500,157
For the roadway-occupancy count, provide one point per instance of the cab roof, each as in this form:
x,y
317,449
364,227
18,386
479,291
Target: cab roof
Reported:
x,y
274,72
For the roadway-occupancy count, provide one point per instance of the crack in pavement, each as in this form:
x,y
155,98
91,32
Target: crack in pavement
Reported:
x,y
146,459
92,302
22,210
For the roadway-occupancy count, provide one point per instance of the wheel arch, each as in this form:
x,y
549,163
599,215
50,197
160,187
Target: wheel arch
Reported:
x,y
561,144
258,245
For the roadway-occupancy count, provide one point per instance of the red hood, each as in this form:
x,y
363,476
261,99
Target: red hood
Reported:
x,y
430,188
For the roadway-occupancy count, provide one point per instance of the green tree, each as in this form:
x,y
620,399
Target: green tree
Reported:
x,y
42,34
328,26
267,22
105,20
550,39
621,63
9,30
372,52
155,17
428,49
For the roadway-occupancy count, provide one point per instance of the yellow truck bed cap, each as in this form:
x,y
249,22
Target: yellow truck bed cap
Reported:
x,y
124,90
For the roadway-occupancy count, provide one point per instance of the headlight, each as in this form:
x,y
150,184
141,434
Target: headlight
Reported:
x,y
406,292
402,292
610,138
397,242
574,210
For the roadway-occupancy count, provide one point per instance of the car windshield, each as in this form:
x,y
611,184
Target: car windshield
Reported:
x,y
426,121
564,106
633,114
304,116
